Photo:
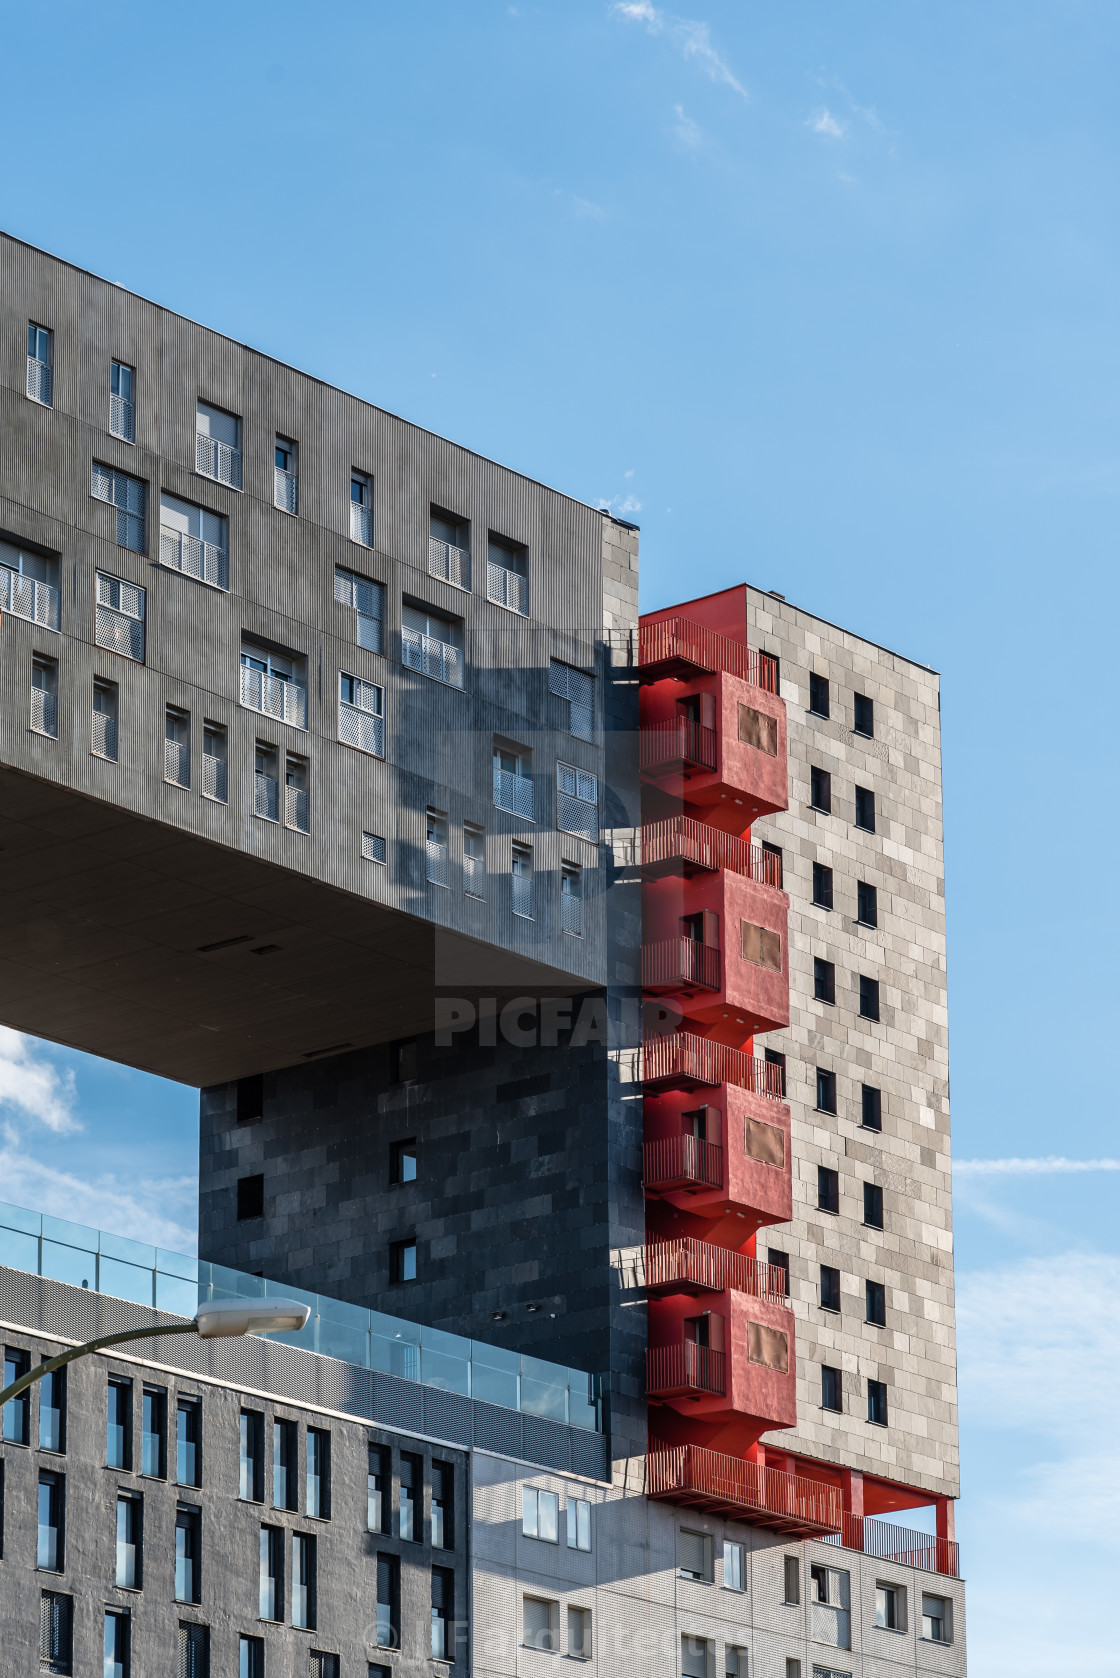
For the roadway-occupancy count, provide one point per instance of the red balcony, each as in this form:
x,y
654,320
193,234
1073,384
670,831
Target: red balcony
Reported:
x,y
675,964
684,1371
681,1060
683,846
677,647
745,1138
734,980
691,1267
725,1485
719,745
676,746
682,1162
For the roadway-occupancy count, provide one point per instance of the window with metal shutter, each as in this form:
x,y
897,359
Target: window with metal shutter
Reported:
x,y
578,688
695,1554
539,1623
695,1656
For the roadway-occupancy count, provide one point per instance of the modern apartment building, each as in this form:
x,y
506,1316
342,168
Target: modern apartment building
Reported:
x,y
567,1000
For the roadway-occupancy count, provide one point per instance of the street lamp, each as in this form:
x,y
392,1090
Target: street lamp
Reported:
x,y
216,1320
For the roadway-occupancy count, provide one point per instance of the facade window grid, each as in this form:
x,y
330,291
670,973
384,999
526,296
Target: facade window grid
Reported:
x,y
29,586
119,615
104,739
193,541
122,408
217,445
871,1107
297,794
118,1423
828,1189
188,1442
40,364
513,782
826,1091
507,582
868,997
818,695
361,714
521,882
571,899
877,1403
286,481
431,645
130,498
437,867
577,802
820,790
449,556
474,861
50,1549
303,1581
578,688
177,747
361,508
864,718
44,695
129,1552
366,599
271,1589
215,762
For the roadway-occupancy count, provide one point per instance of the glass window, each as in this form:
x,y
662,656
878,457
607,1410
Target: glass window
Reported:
x,y
49,1555
571,899
540,1514
865,809
822,886
271,1591
432,644
119,616
250,1657
128,1542
474,861
522,881
388,1602
579,1524
303,1580
122,410
361,509
117,1626
577,802
252,1456
188,1535
285,1441
578,688
367,601
188,1442
443,1612
443,1509
377,1503
40,364
218,445
411,1524
153,1461
579,1633
818,696
871,1103
864,715
130,498
734,1566
118,1430
52,1411
318,1473
507,582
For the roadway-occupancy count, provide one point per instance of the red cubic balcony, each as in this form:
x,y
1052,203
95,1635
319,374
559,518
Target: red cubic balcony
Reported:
x,y
719,745
728,1486
734,980
687,1266
675,964
739,1138
682,1060
677,746
684,1371
682,846
676,647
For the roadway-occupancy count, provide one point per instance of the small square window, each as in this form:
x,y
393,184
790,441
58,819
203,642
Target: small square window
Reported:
x,y
865,809
818,695
830,1288
871,1101
540,1514
250,1197
867,904
402,1261
820,790
937,1618
890,1607
832,1392
864,715
875,1299
826,1091
872,1205
828,1189
877,1403
696,1554
824,980
868,998
822,886
540,1621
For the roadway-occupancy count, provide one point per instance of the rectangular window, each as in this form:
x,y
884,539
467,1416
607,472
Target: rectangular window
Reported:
x,y
507,577
266,782
818,695
780,1261
443,1506
118,1424
864,721
250,1096
449,544
868,998
297,793
826,1091
521,882
865,809
194,1650
443,1613
29,586
56,1633
119,617
274,682
696,1554
436,866
474,861
793,1667
52,1411
579,1634
540,1514
129,1554
117,1651
830,1288
388,1602
696,1656
285,1451
188,1554
774,871
734,1566
377,1483
513,782
571,899
177,747
871,1104
824,980
411,1522
303,1580
828,1189
867,904
286,483
402,1261
129,496
366,599
832,1393
250,1657
539,1623
875,1303
44,695
217,445
122,404
188,1442
250,1197
252,1457
104,736
374,848
361,714
579,1524
822,886
937,1618
402,1161
318,1488
361,508
820,790
791,1579
215,762
271,1593
52,1499
877,1403
17,1411
774,1058
578,689
321,1665
761,945
40,364
193,541
432,644
153,1443
873,1205
577,802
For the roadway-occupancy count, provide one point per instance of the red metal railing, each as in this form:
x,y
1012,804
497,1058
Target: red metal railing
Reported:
x,y
680,961
681,839
905,1545
679,642
681,1058
683,1368
705,1266
692,1474
677,740
677,1160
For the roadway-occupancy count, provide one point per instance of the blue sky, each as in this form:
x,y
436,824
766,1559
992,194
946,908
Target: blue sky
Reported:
x,y
821,295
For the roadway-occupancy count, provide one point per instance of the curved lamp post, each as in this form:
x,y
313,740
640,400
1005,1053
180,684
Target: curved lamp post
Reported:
x,y
217,1320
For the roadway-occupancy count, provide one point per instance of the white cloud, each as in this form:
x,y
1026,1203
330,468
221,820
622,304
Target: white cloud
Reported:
x,y
690,37
627,504
687,132
32,1087
161,1210
1043,1166
824,123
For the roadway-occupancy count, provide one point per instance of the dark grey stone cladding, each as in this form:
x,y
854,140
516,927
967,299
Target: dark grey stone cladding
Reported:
x,y
281,1383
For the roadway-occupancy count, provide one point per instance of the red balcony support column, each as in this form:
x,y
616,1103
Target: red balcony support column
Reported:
x,y
946,1510
851,1493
